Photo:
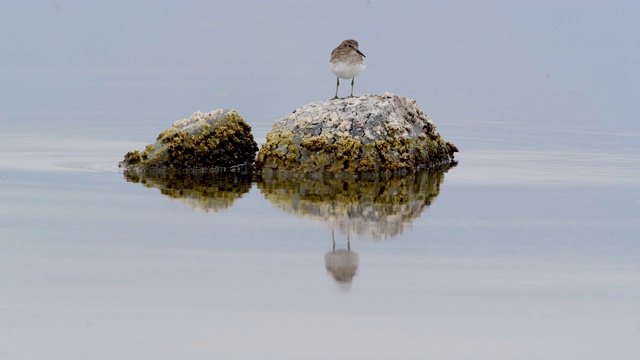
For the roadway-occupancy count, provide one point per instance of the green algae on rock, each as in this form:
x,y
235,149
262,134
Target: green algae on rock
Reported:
x,y
366,134
219,140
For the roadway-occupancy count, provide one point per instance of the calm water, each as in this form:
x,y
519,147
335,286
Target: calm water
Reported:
x,y
528,249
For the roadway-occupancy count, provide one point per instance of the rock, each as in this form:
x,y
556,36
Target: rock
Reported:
x,y
365,134
217,140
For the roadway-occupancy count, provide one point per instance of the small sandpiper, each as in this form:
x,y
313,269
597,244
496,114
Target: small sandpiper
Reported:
x,y
346,62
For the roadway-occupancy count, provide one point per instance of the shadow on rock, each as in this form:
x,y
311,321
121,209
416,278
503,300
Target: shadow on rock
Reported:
x,y
204,191
377,208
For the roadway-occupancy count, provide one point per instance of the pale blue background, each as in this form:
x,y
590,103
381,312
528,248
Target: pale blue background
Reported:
x,y
571,63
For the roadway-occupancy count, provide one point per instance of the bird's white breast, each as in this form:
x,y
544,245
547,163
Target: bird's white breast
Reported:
x,y
346,70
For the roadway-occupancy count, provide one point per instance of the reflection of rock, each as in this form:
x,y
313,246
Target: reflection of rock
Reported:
x,y
377,208
219,139
342,264
205,191
365,134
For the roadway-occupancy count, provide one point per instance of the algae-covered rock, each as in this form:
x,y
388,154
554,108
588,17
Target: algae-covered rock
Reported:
x,y
365,134
219,139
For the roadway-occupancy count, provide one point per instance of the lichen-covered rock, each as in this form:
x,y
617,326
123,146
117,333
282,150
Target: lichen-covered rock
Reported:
x,y
219,139
365,134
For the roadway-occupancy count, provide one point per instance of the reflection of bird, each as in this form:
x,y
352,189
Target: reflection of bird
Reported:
x,y
346,62
341,264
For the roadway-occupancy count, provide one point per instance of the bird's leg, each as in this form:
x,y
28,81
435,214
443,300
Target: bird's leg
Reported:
x,y
334,240
352,80
337,86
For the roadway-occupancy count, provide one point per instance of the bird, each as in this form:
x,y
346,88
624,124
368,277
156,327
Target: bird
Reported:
x,y
346,62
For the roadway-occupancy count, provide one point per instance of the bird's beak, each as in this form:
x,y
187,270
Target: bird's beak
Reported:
x,y
358,51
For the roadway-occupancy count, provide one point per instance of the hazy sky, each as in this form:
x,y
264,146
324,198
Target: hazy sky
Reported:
x,y
567,62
